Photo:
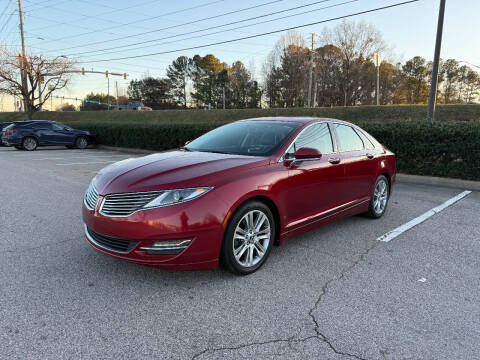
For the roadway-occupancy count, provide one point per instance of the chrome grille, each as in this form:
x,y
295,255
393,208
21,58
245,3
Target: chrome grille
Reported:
x,y
122,205
91,197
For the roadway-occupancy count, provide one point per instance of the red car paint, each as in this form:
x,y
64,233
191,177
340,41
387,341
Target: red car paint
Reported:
x,y
302,196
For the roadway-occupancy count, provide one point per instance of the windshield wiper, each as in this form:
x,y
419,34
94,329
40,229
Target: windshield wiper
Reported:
x,y
184,148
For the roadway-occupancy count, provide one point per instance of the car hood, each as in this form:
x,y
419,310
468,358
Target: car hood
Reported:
x,y
171,170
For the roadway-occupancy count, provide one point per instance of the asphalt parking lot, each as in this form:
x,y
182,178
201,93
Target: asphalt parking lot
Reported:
x,y
334,293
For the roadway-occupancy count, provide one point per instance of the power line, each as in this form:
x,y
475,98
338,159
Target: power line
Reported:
x,y
133,22
221,31
263,34
173,26
209,28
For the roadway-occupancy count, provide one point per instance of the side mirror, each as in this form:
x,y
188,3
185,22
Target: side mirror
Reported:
x,y
307,154
67,129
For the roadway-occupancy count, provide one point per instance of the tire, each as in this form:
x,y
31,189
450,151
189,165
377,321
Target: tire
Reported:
x,y
252,247
379,198
81,142
29,143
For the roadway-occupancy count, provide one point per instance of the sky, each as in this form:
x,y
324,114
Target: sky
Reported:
x,y
93,30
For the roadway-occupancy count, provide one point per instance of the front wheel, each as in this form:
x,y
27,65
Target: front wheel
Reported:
x,y
379,198
249,238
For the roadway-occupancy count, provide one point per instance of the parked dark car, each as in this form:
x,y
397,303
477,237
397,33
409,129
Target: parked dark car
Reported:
x,y
3,126
28,135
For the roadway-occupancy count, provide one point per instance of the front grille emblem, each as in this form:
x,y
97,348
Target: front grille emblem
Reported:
x,y
98,204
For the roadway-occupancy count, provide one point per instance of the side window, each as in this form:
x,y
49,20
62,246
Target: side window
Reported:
x,y
57,127
348,138
41,125
317,136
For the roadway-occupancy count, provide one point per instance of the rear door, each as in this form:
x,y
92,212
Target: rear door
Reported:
x,y
43,132
313,185
360,161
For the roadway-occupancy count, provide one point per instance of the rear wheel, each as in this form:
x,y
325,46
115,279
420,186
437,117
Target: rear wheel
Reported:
x,y
29,144
249,238
81,143
379,198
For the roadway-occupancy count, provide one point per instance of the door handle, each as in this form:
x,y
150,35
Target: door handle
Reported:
x,y
370,156
334,160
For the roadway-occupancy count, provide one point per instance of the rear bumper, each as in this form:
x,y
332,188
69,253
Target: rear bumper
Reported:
x,y
200,221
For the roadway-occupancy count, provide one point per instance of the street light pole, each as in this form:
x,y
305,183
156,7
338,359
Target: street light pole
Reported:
x,y
24,57
438,46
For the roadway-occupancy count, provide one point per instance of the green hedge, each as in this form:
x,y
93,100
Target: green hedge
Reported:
x,y
448,149
352,113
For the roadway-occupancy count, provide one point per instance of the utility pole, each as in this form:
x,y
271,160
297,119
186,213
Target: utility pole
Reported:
x,y
376,58
116,87
438,47
310,77
108,93
24,56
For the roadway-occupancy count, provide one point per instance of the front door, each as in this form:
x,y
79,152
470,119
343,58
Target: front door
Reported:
x,y
313,185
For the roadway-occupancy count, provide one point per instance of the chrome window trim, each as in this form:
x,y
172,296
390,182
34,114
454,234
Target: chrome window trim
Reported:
x,y
282,158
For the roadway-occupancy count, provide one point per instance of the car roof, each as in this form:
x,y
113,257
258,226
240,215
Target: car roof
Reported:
x,y
297,119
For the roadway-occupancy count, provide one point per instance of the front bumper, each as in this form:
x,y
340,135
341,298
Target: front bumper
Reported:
x,y
201,221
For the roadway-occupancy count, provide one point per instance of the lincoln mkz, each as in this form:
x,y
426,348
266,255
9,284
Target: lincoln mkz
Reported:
x,y
230,195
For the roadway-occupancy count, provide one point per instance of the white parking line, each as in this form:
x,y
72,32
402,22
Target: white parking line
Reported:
x,y
418,220
88,163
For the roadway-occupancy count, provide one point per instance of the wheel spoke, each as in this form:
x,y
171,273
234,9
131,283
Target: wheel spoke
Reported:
x,y
260,220
240,251
250,256
260,248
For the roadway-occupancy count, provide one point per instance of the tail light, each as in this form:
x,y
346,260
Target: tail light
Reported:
x,y
11,131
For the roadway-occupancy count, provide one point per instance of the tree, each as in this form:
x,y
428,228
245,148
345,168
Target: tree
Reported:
x,y
96,102
209,78
414,82
153,92
450,72
179,72
48,74
66,107
354,40
472,85
240,83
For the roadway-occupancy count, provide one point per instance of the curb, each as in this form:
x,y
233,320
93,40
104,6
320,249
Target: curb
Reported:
x,y
438,181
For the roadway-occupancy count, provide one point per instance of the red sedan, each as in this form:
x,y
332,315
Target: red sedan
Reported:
x,y
230,195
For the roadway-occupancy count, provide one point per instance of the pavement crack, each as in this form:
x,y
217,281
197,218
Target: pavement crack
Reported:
x,y
241,346
323,293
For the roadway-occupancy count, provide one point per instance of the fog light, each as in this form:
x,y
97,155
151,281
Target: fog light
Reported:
x,y
167,247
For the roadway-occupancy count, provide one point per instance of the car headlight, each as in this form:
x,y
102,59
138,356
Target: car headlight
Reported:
x,y
171,197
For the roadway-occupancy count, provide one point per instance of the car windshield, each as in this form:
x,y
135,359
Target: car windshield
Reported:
x,y
255,138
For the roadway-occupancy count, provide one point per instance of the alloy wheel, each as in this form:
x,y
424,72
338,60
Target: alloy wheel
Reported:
x,y
29,144
251,238
380,196
82,143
